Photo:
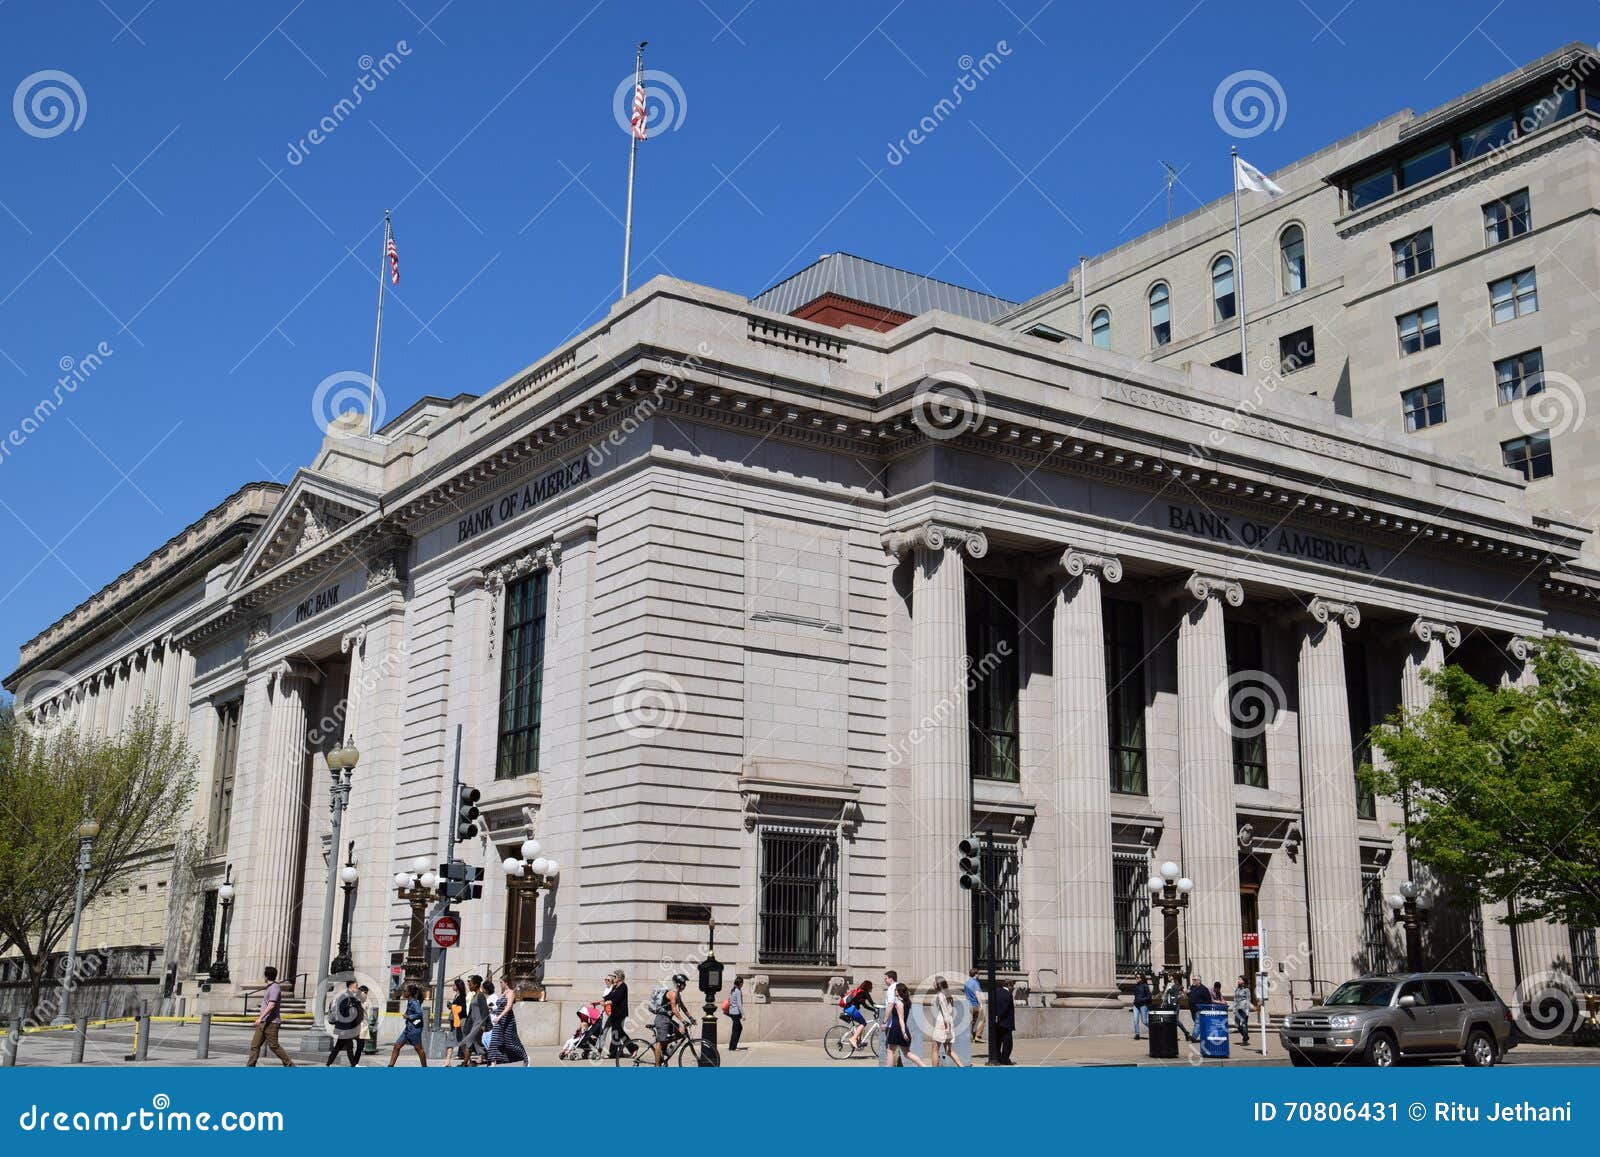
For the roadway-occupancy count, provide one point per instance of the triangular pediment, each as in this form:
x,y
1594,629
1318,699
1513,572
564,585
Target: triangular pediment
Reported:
x,y
313,509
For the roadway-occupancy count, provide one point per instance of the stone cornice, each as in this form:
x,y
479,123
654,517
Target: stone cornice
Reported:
x,y
935,536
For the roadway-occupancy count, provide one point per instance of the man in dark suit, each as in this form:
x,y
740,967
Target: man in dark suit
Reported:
x,y
1005,1022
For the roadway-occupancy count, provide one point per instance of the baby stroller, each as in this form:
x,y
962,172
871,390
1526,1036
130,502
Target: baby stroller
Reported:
x,y
584,1044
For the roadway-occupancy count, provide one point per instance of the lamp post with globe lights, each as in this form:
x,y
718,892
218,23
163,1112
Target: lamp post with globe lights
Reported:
x,y
348,878
86,832
218,972
526,874
1411,913
341,763
1170,892
417,886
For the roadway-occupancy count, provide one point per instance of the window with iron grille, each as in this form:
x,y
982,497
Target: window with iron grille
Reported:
x,y
1124,629
1250,703
798,916
521,676
222,784
1358,695
1130,911
1000,863
1374,933
993,677
1585,958
205,940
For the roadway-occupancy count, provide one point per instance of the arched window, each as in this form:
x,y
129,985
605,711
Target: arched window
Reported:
x,y
1100,328
1222,287
1293,247
1160,315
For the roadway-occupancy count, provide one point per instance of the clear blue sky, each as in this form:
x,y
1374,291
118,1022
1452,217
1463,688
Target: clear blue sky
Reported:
x,y
171,225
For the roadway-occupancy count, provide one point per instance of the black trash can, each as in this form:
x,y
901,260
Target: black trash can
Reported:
x,y
1164,1033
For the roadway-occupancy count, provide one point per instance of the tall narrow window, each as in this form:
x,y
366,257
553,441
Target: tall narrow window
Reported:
x,y
227,763
1413,255
1292,246
798,917
1222,295
1358,694
1506,217
1130,911
1124,628
1100,328
1529,456
1514,296
993,677
1160,315
205,938
1251,705
1000,865
521,676
1374,935
1585,958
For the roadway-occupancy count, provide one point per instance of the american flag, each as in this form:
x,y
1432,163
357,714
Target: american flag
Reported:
x,y
394,260
640,116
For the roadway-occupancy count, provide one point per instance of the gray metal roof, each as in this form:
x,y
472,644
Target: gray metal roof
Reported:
x,y
880,285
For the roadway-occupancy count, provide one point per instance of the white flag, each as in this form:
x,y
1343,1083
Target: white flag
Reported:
x,y
1249,179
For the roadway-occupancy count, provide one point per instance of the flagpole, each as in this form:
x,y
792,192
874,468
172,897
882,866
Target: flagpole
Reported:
x,y
1238,266
377,336
633,158
1083,299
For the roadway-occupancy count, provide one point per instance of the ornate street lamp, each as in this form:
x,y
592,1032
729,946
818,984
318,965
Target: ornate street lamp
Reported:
x,y
344,963
86,832
526,874
418,887
219,966
1170,892
710,985
1411,913
341,763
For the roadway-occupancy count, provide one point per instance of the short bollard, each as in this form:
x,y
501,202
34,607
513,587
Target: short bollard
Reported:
x,y
202,1048
141,1043
8,1051
80,1039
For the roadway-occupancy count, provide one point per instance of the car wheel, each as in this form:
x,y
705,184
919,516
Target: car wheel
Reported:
x,y
1381,1052
1300,1060
1480,1052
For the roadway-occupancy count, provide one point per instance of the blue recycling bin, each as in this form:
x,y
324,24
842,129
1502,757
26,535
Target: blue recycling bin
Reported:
x,y
1212,1024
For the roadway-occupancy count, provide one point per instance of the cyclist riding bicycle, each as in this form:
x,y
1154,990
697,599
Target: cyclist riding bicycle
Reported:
x,y
666,1004
850,1008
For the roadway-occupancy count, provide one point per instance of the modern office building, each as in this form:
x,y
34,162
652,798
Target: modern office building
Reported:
x,y
756,607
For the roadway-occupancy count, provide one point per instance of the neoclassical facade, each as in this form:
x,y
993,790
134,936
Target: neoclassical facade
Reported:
x,y
742,613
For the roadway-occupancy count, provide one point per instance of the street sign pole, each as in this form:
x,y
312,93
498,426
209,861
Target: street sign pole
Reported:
x,y
1262,984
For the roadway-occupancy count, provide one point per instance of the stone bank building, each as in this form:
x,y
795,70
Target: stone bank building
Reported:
x,y
760,606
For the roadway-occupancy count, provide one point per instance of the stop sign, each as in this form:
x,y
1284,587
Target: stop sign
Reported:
x,y
446,931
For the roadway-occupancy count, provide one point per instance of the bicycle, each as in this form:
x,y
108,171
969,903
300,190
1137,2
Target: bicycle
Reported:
x,y
684,1046
837,1044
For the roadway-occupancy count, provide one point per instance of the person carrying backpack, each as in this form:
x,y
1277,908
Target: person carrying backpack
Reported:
x,y
346,1018
666,1007
850,1006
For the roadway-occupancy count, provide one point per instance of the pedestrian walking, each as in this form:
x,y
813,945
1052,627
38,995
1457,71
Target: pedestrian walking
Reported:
x,y
1216,992
370,1008
1241,1010
346,1021
411,1034
266,1027
1199,997
735,1010
897,1026
473,1050
974,988
1141,1005
506,1047
458,1022
1005,1022
891,980
616,1006
944,1023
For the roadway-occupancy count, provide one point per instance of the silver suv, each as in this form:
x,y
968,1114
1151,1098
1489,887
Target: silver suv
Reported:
x,y
1381,1020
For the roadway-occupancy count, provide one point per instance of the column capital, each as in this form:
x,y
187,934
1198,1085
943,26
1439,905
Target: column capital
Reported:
x,y
1322,609
292,669
1075,562
1522,648
354,639
1425,630
1201,586
932,535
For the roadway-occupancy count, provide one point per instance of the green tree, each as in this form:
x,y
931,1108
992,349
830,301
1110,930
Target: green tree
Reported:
x,y
1502,784
137,785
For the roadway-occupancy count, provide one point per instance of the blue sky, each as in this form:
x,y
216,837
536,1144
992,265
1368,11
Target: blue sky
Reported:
x,y
186,224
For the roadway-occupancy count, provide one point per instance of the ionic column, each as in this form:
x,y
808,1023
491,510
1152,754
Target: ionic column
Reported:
x,y
354,644
941,804
1207,821
1520,653
1328,792
276,857
1425,653
1083,776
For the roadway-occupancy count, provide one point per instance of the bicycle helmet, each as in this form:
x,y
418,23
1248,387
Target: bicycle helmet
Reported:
x,y
679,979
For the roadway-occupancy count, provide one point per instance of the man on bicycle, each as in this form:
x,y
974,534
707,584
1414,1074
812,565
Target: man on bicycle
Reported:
x,y
668,1012
850,1009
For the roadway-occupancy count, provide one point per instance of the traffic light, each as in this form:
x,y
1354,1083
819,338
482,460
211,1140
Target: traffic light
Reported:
x,y
461,881
971,863
467,812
